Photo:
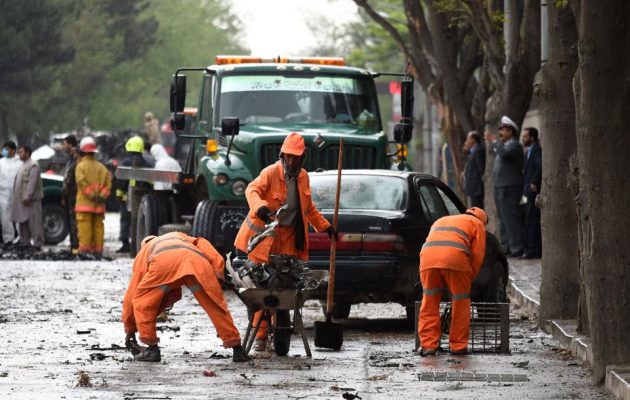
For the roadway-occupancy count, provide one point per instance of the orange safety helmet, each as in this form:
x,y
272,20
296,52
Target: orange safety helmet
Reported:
x,y
293,144
479,213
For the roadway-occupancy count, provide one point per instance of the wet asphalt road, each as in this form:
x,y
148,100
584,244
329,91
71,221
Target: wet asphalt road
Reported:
x,y
60,320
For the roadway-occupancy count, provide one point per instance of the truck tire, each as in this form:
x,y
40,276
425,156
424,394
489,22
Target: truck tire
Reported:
x,y
55,223
184,228
203,222
340,310
151,215
496,292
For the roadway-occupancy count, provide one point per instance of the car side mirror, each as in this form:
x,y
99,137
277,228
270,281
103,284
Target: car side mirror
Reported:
x,y
402,131
178,93
230,126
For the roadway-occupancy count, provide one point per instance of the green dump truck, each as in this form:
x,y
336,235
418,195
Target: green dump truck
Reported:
x,y
247,107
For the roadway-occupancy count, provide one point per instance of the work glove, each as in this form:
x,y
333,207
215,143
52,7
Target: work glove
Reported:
x,y
263,213
332,232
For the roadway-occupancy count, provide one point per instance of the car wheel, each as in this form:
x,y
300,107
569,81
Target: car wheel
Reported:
x,y
151,215
203,222
55,223
282,333
496,293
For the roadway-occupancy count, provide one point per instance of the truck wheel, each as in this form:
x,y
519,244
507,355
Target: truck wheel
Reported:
x,y
282,333
184,228
151,215
55,223
203,222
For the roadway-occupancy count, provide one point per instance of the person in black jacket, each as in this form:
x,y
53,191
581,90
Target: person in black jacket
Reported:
x,y
508,185
532,179
474,169
69,190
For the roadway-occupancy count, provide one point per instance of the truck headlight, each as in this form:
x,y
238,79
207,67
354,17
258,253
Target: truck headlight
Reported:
x,y
220,179
238,188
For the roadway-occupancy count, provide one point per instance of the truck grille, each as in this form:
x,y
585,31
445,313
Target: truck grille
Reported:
x,y
355,157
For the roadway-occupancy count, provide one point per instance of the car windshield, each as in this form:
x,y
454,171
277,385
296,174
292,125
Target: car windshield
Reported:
x,y
359,192
308,100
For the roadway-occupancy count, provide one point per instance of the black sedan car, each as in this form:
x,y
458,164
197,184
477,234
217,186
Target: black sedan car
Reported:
x,y
384,219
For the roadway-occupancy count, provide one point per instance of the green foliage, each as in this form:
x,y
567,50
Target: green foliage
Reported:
x,y
121,56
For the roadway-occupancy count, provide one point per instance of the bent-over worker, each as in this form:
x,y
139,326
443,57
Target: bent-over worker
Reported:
x,y
451,257
284,182
162,266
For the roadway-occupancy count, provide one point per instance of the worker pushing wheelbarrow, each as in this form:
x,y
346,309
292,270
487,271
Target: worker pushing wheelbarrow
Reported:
x,y
274,237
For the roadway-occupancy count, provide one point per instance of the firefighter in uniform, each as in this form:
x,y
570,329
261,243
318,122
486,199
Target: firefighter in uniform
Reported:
x,y
450,259
284,182
163,265
93,188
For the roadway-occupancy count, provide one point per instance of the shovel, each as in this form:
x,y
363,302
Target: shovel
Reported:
x,y
328,334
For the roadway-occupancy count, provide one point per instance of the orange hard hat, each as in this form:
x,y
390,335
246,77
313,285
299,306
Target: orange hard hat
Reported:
x,y
479,213
293,144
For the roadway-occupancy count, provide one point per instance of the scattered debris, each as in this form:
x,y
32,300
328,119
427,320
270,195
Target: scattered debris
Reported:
x,y
17,252
350,396
218,356
85,331
246,377
453,361
114,347
165,328
377,378
84,379
521,364
209,373
344,389
4,374
97,356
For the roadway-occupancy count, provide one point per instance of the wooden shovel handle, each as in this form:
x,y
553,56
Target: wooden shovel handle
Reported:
x,y
333,240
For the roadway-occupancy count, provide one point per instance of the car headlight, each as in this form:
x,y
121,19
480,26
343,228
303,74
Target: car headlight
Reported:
x,y
238,188
220,179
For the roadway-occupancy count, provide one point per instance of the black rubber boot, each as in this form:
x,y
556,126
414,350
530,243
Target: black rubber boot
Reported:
x,y
239,354
152,354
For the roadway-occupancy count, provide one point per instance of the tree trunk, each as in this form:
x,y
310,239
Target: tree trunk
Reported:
x,y
603,118
559,289
4,126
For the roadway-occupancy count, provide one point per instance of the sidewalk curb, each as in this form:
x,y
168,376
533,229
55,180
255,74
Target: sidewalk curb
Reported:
x,y
617,376
522,299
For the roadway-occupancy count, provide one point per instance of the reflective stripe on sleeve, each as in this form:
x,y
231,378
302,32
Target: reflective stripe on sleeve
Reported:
x,y
447,243
253,227
460,296
451,229
178,246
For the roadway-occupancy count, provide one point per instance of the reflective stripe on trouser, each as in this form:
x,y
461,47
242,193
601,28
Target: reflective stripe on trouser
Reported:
x,y
91,232
148,304
283,243
458,284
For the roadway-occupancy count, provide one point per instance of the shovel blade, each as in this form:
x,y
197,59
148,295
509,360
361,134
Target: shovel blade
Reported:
x,y
328,335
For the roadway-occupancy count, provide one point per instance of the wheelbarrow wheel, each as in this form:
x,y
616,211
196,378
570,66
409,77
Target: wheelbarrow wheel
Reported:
x,y
282,333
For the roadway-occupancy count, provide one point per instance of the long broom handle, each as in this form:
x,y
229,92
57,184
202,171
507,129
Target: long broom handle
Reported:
x,y
333,240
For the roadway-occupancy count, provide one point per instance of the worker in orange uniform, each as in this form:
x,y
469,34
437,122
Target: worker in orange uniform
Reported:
x,y
93,188
284,182
451,256
162,266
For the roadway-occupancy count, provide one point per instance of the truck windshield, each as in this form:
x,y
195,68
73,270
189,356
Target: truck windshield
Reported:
x,y
309,100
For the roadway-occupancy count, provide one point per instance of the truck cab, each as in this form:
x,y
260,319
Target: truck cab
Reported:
x,y
247,106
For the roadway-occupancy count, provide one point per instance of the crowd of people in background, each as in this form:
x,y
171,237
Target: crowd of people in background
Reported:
x,y
517,179
86,186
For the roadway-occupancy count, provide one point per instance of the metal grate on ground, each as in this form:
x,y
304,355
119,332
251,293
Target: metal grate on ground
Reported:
x,y
489,327
470,377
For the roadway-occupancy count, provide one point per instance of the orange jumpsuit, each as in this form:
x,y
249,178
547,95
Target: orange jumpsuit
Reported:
x,y
269,189
161,267
451,256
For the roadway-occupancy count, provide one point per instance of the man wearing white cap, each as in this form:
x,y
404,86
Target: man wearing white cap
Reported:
x,y
508,184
